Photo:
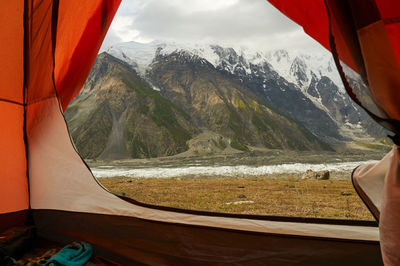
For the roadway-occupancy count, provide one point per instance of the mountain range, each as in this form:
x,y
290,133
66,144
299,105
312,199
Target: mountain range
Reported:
x,y
160,99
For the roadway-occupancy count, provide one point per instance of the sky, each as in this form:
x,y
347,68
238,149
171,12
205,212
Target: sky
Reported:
x,y
250,23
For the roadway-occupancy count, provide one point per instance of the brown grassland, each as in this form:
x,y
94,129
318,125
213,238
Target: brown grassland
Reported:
x,y
263,195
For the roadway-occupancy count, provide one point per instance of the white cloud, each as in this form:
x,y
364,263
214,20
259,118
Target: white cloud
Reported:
x,y
193,6
123,28
253,23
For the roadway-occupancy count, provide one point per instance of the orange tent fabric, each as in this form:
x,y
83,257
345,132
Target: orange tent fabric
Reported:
x,y
14,184
82,26
45,44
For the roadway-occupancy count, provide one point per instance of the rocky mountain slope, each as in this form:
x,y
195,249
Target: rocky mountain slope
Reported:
x,y
305,86
119,115
160,99
222,104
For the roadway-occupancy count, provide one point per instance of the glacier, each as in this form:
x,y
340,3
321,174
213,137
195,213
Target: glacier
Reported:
x,y
226,171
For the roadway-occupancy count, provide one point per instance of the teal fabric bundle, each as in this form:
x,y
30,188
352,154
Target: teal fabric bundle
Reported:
x,y
75,254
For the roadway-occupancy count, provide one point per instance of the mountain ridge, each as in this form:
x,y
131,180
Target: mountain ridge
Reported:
x,y
250,64
162,99
118,114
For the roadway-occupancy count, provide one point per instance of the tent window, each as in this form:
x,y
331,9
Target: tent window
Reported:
x,y
225,129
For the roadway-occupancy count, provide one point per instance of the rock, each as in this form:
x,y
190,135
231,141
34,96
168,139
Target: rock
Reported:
x,y
319,175
323,175
309,174
345,193
241,196
240,202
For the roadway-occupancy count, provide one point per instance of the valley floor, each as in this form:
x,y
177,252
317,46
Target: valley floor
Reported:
x,y
263,183
282,195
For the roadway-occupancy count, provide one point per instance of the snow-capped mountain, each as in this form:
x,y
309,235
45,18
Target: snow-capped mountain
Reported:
x,y
290,66
299,68
305,86
141,55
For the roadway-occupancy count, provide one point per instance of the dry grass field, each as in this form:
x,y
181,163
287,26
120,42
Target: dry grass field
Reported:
x,y
284,196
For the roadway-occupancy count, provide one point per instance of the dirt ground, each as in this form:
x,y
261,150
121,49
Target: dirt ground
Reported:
x,y
263,195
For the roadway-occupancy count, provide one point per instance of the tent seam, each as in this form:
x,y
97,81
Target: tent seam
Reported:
x,y
11,101
24,97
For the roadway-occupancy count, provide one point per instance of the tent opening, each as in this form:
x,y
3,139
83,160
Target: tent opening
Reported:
x,y
207,126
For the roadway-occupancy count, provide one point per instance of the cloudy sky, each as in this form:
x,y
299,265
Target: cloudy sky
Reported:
x,y
251,23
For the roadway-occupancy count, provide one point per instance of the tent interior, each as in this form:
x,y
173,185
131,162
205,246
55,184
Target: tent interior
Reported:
x,y
49,197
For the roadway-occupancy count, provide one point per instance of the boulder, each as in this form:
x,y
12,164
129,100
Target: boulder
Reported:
x,y
323,175
309,174
319,175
